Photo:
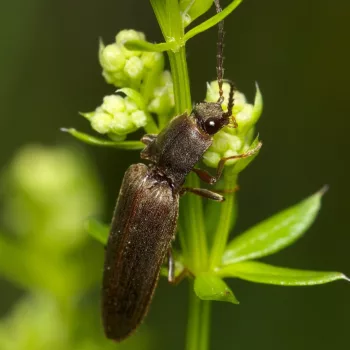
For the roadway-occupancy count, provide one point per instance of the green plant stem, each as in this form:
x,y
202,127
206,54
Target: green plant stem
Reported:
x,y
192,235
227,215
198,326
181,81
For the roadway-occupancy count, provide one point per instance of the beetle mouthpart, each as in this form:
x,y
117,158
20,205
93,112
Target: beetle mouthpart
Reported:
x,y
233,123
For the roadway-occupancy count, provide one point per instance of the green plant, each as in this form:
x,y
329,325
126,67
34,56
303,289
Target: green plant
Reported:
x,y
136,67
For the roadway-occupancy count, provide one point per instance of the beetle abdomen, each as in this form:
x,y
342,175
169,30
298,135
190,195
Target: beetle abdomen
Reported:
x,y
142,229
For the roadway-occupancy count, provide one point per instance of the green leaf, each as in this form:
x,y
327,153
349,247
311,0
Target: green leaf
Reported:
x,y
258,105
169,18
142,45
192,9
101,47
97,230
91,140
263,273
275,233
210,287
87,115
212,21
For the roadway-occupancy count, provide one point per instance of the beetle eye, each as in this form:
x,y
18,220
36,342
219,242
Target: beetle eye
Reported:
x,y
212,126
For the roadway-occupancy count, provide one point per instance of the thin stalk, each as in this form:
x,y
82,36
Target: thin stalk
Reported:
x,y
193,236
224,221
192,231
198,326
181,81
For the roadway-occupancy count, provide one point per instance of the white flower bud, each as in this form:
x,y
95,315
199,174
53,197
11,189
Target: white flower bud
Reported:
x,y
139,118
153,60
113,104
163,96
121,124
134,68
126,35
130,105
101,121
112,58
117,116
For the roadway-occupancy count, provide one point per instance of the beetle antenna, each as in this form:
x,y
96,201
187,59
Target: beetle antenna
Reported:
x,y
230,103
220,69
219,53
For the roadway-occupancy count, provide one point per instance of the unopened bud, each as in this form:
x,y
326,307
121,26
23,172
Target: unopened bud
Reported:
x,y
163,96
112,58
126,35
232,141
134,68
117,115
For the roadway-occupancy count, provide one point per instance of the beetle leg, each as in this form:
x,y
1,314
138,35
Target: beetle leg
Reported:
x,y
148,138
171,270
227,190
210,179
171,267
184,273
203,192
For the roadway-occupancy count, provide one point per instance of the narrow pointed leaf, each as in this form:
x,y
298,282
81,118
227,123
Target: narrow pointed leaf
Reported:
x,y
212,21
193,9
159,8
274,233
263,273
97,230
208,286
258,105
142,45
92,140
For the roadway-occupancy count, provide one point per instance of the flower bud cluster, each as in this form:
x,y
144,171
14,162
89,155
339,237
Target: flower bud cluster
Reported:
x,y
232,141
126,68
141,71
117,116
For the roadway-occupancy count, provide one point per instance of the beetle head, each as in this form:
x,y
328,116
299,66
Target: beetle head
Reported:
x,y
210,117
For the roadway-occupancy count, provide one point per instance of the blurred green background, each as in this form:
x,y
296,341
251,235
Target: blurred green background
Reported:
x,y
298,51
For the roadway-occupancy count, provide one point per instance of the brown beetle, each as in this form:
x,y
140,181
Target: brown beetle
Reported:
x,y
145,217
